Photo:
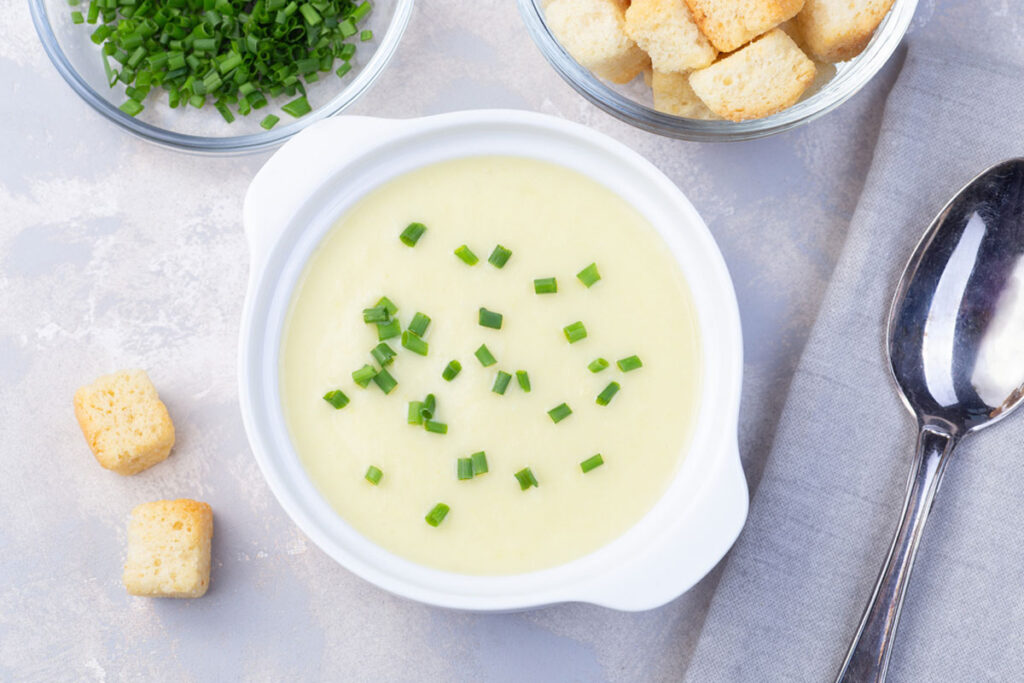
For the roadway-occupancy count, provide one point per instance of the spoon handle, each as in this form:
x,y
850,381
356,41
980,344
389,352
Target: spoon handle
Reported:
x,y
868,657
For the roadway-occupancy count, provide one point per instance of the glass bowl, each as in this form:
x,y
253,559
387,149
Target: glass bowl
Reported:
x,y
204,131
631,102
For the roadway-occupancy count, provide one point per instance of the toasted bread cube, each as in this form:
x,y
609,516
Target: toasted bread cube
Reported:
x,y
673,95
837,30
169,549
124,421
730,24
666,31
593,32
763,78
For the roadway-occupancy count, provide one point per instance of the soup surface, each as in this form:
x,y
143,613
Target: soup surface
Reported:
x,y
556,222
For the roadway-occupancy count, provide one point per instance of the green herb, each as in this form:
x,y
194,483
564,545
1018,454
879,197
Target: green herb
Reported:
x,y
269,121
591,463
490,319
526,478
436,427
545,285
297,107
501,382
479,463
373,474
560,412
429,406
414,343
575,332
336,398
383,354
412,234
415,412
605,397
377,314
451,370
597,365
499,257
366,35
437,515
420,323
364,375
388,330
388,304
385,381
589,275
466,255
77,18
483,354
524,380
465,468
630,363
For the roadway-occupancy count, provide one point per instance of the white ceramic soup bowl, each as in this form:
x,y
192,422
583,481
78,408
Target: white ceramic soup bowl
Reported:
x,y
316,177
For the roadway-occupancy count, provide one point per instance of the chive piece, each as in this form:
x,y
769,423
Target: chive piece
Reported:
x,y
377,314
467,255
436,427
592,462
336,398
483,354
383,354
490,319
575,332
269,121
365,35
451,370
526,479
412,234
310,14
297,107
414,343
361,11
479,461
388,304
388,330
545,285
373,474
501,382
630,363
420,323
364,375
589,275
597,365
524,380
605,397
131,107
343,69
560,412
437,515
415,412
499,257
77,17
385,381
428,407
465,468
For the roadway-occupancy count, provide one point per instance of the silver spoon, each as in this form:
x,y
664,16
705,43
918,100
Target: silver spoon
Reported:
x,y
954,347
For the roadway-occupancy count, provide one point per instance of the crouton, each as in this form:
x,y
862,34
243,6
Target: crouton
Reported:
x,y
838,30
666,31
673,95
593,32
169,549
730,24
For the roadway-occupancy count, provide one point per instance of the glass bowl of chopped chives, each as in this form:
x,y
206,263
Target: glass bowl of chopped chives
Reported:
x,y
219,76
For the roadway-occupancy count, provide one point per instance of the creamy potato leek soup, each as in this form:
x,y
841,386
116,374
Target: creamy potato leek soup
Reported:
x,y
491,366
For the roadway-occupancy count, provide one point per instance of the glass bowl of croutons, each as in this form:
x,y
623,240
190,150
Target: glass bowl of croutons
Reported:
x,y
717,70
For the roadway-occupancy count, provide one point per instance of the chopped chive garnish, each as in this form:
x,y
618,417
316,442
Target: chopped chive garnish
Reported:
x,y
451,370
412,234
436,427
630,363
526,478
414,343
465,468
499,257
420,323
479,461
415,412
589,275
437,515
297,107
501,382
575,332
524,380
388,330
377,314
591,462
483,354
545,285
605,397
385,381
466,255
383,354
269,121
373,474
597,365
131,107
365,35
77,18
428,407
364,375
560,412
388,304
490,319
336,398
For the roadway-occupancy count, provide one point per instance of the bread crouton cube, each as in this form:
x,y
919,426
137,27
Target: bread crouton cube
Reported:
x,y
673,95
838,30
759,80
593,32
666,31
730,24
169,549
124,421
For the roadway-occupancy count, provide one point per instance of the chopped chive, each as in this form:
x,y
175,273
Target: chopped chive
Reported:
x,y
269,121
526,479
605,397
364,375
483,354
297,107
436,427
388,304
365,35
336,398
414,343
575,332
499,257
490,319
131,107
501,382
467,255
343,69
385,381
479,461
428,407
589,275
597,365
388,330
361,11
524,380
415,412
560,412
437,515
377,314
420,323
465,468
310,14
545,285
373,474
451,370
630,363
77,18
383,354
412,234
591,463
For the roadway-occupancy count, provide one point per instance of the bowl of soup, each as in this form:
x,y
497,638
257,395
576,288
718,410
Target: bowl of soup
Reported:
x,y
491,360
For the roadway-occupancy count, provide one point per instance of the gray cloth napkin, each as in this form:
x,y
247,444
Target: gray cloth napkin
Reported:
x,y
822,518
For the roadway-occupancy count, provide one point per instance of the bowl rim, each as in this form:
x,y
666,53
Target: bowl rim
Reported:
x,y
226,145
